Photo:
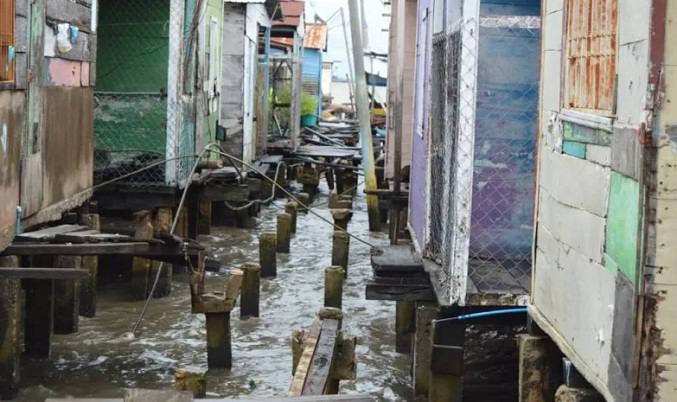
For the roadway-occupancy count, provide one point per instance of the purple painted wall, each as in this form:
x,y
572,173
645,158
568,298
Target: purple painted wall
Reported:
x,y
417,197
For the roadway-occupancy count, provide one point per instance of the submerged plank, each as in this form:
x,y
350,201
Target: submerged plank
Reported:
x,y
323,359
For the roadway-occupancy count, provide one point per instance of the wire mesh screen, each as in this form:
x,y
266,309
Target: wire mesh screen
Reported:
x,y
137,114
492,99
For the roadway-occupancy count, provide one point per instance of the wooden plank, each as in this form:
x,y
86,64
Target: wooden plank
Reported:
x,y
71,12
48,233
299,380
91,236
44,273
394,292
323,359
76,249
328,398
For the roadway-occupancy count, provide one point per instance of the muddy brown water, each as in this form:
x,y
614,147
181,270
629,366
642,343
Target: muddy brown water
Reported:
x,y
99,361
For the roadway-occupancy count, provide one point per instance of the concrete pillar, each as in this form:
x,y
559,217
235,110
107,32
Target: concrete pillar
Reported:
x,y
446,366
538,368
11,309
569,394
91,264
425,313
66,297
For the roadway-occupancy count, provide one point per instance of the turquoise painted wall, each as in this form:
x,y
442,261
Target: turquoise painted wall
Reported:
x,y
622,226
215,10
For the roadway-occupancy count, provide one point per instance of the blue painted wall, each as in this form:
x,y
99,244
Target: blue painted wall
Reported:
x,y
312,72
505,135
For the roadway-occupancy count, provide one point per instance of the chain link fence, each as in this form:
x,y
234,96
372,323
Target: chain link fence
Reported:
x,y
482,150
138,118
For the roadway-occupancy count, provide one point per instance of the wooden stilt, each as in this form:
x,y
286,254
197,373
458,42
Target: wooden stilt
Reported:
x,y
291,208
268,254
284,221
405,325
39,321
219,344
333,287
340,250
91,264
66,297
11,310
251,289
141,266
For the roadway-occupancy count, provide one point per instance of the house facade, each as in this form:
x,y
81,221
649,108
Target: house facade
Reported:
x,y
603,287
475,105
47,74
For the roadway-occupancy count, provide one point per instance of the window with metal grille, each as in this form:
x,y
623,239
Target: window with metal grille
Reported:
x,y
591,55
6,41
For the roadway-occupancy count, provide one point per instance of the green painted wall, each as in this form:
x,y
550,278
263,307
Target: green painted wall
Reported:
x,y
622,225
132,61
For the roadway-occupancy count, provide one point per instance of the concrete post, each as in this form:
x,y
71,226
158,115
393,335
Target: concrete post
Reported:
x,y
425,313
91,264
538,368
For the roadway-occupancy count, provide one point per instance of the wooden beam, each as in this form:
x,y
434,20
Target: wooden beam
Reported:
x,y
323,359
399,292
75,249
44,273
299,380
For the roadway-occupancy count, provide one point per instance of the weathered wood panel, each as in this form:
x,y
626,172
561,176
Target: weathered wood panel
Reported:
x,y
233,76
84,47
71,12
20,32
11,130
68,145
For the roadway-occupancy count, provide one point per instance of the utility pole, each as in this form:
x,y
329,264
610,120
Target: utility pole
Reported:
x,y
351,81
365,27
363,117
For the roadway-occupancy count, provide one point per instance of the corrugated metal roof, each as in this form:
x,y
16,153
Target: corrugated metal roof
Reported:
x,y
316,37
292,12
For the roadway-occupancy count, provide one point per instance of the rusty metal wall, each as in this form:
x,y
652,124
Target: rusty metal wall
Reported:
x,y
68,142
11,128
591,55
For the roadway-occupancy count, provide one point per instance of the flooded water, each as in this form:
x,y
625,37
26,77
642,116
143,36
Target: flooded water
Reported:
x,y
99,360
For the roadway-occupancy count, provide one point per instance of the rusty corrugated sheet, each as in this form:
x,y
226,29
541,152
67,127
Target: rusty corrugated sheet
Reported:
x,y
68,146
292,12
591,54
316,37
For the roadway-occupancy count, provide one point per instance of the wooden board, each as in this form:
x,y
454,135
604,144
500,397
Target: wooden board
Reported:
x,y
75,249
44,273
48,234
299,380
323,359
393,292
92,236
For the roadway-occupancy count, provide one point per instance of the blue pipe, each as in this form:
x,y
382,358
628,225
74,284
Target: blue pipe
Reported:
x,y
18,220
485,314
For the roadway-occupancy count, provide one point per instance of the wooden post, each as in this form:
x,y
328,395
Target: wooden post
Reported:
x,y
66,297
341,217
304,200
244,219
268,254
251,289
283,232
193,379
405,324
280,180
219,348
333,287
345,202
163,223
539,368
290,208
39,313
204,218
91,264
11,303
340,250
291,172
425,313
192,208
141,266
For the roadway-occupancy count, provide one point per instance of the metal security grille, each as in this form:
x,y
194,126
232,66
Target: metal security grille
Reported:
x,y
492,81
141,114
6,40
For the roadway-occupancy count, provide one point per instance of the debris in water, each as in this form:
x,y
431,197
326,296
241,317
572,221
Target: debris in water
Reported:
x,y
252,384
98,361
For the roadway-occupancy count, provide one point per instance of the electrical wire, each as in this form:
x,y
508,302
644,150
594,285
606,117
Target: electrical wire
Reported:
x,y
254,202
299,202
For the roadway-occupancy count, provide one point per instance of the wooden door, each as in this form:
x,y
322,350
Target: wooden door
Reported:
x,y
31,162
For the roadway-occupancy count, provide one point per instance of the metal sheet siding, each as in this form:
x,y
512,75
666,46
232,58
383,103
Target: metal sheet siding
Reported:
x,y
312,73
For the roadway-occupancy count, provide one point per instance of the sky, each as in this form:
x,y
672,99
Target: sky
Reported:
x,y
336,49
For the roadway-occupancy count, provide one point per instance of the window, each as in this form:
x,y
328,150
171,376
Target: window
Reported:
x,y
591,55
6,41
